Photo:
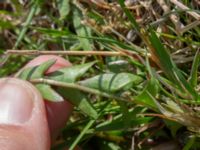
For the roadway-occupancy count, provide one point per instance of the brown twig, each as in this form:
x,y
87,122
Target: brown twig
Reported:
x,y
160,116
78,53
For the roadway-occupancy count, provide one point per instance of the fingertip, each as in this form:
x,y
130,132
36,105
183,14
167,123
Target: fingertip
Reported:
x,y
22,116
57,113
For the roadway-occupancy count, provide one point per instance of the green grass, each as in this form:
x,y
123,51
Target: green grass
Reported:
x,y
150,93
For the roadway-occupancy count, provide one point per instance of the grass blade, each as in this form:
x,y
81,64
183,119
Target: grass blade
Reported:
x,y
168,66
194,70
129,15
82,30
26,24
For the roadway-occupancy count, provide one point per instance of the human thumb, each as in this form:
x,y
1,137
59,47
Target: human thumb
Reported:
x,y
23,123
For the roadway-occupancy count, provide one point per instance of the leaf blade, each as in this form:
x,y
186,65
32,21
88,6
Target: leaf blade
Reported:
x,y
111,82
80,100
70,74
64,8
48,93
81,30
36,71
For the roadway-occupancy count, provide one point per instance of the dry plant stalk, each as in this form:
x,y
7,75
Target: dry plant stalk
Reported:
x,y
79,87
59,52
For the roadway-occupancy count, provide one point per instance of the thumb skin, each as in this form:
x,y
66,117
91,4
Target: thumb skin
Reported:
x,y
23,123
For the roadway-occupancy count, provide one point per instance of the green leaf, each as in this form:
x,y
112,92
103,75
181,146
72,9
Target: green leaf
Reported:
x,y
36,71
169,67
118,122
6,25
117,66
29,18
186,86
194,71
48,93
107,145
163,56
70,74
64,8
125,114
53,32
80,100
112,82
108,40
190,143
81,30
173,126
129,15
144,97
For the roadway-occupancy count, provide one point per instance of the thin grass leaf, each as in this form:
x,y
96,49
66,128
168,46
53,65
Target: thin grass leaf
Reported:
x,y
87,127
144,99
152,87
169,85
185,85
81,30
117,122
129,45
163,56
26,24
108,40
129,15
159,106
83,132
112,82
78,99
194,70
53,32
168,66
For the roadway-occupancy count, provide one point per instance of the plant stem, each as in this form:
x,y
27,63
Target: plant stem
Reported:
x,y
78,87
90,123
44,52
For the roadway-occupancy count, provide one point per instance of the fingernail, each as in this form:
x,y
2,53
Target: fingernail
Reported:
x,y
16,101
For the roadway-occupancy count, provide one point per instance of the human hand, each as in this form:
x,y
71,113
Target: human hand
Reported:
x,y
27,122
